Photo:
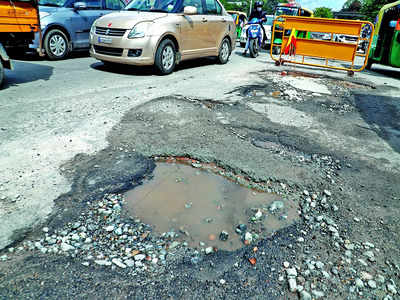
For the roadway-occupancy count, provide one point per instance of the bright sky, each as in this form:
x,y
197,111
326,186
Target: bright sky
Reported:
x,y
312,4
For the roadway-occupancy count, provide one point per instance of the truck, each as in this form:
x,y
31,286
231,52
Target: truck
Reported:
x,y
19,21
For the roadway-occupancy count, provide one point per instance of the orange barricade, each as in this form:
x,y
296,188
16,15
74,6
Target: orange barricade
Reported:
x,y
307,41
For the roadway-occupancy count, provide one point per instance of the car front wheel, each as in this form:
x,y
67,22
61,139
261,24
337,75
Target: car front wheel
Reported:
x,y
56,44
165,59
224,51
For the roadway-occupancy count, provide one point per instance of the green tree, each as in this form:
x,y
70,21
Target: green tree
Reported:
x,y
352,5
323,12
371,8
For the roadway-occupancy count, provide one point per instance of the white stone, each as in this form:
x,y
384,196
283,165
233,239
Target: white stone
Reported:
x,y
372,284
119,263
248,237
209,250
366,276
392,288
109,228
129,262
292,284
66,247
103,262
291,272
139,257
258,214
359,283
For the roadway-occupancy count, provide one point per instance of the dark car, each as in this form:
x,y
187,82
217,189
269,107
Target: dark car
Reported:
x,y
66,24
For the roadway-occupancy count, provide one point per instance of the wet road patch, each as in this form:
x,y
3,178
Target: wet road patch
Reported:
x,y
206,209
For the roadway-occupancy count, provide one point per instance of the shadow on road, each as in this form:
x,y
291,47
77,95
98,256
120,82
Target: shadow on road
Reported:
x,y
382,113
24,72
32,56
387,72
149,70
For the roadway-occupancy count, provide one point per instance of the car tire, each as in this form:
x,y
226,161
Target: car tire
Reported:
x,y
254,48
276,50
165,60
369,65
224,51
56,44
242,45
1,73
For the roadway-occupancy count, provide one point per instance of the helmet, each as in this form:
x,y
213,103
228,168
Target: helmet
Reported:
x,y
258,4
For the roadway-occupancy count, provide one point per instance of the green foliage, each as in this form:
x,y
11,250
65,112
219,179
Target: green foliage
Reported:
x,y
371,8
323,12
352,5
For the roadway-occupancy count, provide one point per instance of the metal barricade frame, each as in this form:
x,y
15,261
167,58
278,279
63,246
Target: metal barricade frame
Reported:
x,y
328,50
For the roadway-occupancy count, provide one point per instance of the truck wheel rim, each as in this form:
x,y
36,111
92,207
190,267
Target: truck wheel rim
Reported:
x,y
57,45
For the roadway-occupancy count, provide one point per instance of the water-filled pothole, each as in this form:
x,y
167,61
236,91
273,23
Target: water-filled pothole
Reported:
x,y
199,205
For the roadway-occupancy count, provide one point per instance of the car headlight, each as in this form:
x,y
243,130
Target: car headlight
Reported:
x,y
139,30
93,28
43,14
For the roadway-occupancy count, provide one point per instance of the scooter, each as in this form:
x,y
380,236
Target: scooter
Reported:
x,y
254,37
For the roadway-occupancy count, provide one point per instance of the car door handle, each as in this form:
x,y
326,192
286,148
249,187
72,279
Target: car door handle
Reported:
x,y
204,20
223,21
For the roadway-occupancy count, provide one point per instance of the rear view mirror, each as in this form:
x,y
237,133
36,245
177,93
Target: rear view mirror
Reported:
x,y
80,5
190,10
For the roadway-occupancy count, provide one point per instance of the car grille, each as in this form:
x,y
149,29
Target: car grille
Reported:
x,y
110,31
108,50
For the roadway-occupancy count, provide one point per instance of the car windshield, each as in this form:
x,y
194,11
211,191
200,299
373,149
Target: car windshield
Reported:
x,y
55,3
269,21
288,11
169,6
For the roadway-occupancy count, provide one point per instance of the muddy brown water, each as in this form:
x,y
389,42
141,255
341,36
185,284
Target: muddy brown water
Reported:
x,y
198,205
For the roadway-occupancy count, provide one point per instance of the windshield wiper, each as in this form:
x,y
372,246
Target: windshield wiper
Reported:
x,y
131,9
157,10
49,4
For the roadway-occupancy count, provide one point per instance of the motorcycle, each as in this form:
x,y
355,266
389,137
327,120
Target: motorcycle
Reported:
x,y
254,37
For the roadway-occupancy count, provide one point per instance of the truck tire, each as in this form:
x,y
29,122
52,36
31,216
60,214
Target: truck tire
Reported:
x,y
56,44
165,60
1,73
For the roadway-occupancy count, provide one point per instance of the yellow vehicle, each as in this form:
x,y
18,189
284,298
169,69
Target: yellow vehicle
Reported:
x,y
289,9
19,20
240,18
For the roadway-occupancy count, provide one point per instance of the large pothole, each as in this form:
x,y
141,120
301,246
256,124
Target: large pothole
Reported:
x,y
207,210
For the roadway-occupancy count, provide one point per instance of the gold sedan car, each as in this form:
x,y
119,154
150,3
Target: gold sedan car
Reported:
x,y
163,33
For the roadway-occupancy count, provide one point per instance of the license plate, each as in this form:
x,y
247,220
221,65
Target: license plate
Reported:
x,y
105,40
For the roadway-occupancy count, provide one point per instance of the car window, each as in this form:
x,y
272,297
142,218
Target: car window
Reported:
x,y
94,4
114,4
213,8
219,8
196,3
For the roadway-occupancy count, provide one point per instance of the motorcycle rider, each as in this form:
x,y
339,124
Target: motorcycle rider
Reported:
x,y
258,13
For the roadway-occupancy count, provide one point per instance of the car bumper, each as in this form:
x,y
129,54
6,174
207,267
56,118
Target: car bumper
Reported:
x,y
119,49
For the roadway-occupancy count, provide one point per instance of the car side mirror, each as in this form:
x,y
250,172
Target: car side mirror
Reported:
x,y
80,5
190,10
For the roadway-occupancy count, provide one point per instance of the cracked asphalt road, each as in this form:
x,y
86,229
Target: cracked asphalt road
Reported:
x,y
60,119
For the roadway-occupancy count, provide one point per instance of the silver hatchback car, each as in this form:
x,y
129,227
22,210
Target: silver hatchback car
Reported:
x,y
164,33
